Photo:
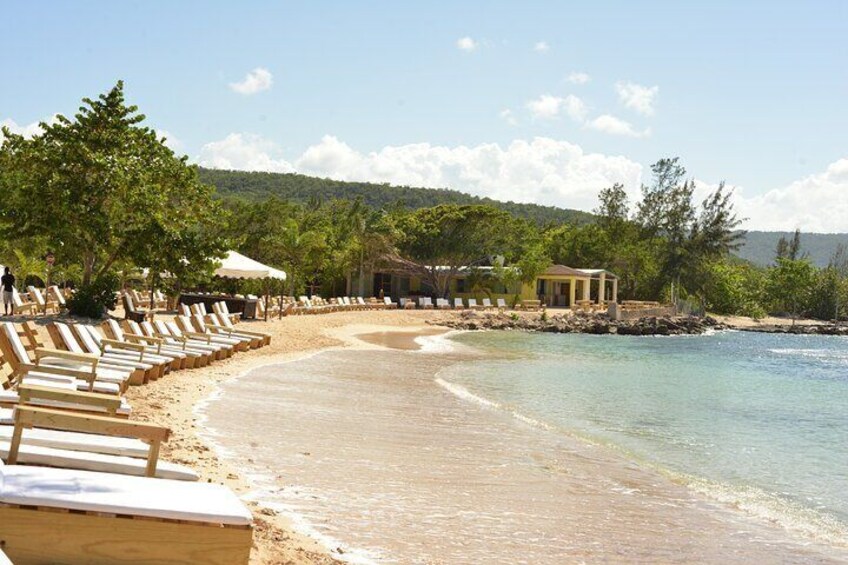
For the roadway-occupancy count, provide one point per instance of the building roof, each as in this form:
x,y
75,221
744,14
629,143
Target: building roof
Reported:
x,y
564,271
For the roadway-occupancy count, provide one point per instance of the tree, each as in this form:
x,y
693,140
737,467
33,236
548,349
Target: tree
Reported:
x,y
790,283
98,186
435,243
613,210
789,249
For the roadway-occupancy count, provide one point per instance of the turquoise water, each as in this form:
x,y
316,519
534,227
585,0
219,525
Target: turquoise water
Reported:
x,y
756,421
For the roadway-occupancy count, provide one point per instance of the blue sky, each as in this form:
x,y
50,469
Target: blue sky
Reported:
x,y
471,95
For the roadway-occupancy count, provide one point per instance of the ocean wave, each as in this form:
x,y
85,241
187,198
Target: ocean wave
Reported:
x,y
772,508
762,506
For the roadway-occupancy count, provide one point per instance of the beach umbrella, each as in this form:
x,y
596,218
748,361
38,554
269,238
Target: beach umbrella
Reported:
x,y
236,266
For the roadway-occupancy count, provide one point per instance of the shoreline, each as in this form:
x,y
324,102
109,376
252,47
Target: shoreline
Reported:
x,y
614,460
178,401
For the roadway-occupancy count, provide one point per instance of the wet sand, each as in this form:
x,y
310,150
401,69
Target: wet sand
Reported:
x,y
383,462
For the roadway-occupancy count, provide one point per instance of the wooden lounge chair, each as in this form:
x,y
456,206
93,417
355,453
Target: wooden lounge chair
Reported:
x,y
501,304
209,325
425,303
221,309
22,303
224,322
111,352
195,328
457,304
28,417
63,339
193,339
442,304
195,356
58,296
132,311
42,303
388,302
78,403
74,369
487,304
69,516
185,359
472,304
131,350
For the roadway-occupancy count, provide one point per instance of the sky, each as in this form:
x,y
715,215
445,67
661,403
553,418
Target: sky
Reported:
x,y
544,102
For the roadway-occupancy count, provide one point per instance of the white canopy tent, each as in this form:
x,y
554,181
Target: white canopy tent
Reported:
x,y
237,266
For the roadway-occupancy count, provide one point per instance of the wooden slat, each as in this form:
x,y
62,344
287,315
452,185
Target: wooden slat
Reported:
x,y
31,416
36,536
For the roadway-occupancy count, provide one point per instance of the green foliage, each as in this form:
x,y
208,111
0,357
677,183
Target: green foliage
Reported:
x,y
735,288
100,188
435,243
790,285
93,300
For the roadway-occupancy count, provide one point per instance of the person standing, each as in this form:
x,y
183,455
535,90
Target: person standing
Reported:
x,y
7,281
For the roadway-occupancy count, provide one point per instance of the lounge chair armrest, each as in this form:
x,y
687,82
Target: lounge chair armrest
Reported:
x,y
70,355
32,416
203,337
107,402
88,376
123,345
135,338
219,328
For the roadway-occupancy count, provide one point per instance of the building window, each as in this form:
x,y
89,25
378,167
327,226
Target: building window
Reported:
x,y
460,285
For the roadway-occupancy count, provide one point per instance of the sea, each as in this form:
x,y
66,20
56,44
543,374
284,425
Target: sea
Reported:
x,y
513,447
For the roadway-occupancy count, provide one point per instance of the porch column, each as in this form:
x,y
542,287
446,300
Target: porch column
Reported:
x,y
572,292
615,290
587,287
602,288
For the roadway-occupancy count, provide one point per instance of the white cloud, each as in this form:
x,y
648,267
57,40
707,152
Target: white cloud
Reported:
x,y
548,107
507,116
26,130
257,80
817,203
244,152
541,170
616,126
467,44
171,141
578,78
637,97
541,47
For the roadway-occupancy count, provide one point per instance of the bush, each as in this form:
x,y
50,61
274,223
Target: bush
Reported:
x,y
96,298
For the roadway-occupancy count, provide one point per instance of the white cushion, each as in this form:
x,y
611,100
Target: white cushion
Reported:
x,y
73,441
121,494
68,459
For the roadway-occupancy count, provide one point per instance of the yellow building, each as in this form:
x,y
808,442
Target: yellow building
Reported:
x,y
558,287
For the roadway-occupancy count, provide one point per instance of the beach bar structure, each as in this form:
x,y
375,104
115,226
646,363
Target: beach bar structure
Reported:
x,y
565,287
559,286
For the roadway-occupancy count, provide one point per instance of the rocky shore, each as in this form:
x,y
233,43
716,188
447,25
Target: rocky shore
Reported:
x,y
813,329
599,324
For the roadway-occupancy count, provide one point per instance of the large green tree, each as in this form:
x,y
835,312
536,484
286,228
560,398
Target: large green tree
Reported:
x,y
101,187
436,243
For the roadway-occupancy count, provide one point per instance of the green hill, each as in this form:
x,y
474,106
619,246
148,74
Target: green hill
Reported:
x,y
302,188
758,248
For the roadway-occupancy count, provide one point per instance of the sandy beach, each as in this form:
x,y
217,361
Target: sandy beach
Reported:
x,y
172,401
176,401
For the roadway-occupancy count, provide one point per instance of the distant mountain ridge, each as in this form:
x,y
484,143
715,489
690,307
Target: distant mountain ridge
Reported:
x,y
302,188
759,247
